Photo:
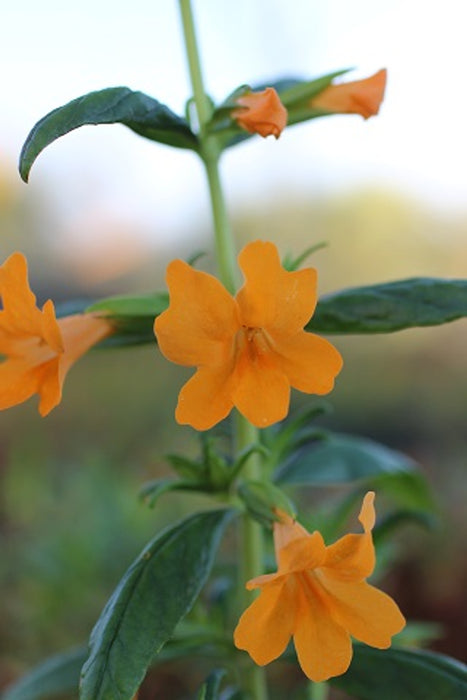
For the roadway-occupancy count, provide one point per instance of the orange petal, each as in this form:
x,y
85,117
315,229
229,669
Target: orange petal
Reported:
x,y
357,97
265,628
19,380
367,515
271,297
50,386
50,328
260,391
261,113
286,530
205,399
352,557
302,554
368,614
323,646
20,315
79,332
311,363
199,326
260,581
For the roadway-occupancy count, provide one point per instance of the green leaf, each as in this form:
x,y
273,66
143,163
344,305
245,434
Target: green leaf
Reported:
x,y
153,490
392,306
341,458
139,112
132,305
132,316
210,688
155,593
52,678
403,674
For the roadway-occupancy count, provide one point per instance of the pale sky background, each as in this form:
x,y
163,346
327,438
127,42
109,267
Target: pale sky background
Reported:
x,y
52,52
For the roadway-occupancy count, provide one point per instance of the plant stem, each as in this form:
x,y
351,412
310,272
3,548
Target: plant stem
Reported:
x,y
252,541
209,151
318,691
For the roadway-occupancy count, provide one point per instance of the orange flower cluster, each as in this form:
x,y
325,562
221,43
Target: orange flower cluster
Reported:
x,y
249,350
362,97
319,597
39,350
261,113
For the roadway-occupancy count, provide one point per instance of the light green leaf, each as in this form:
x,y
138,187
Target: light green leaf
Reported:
x,y
53,678
403,674
139,112
392,306
155,593
132,316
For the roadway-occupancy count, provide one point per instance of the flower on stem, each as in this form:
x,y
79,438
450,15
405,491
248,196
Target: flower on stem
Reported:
x,y
362,97
38,349
248,350
319,597
261,113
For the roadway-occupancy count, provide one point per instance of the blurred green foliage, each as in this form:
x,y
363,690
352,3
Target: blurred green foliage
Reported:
x,y
70,518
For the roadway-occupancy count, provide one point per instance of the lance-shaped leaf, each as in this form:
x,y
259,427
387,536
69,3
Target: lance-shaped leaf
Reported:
x,y
403,674
156,592
392,306
53,678
139,112
133,317
340,458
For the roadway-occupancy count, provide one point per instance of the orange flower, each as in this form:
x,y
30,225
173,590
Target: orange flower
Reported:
x,y
249,350
357,97
261,113
39,350
319,597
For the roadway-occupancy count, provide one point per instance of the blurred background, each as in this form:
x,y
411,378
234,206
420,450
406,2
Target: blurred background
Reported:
x,y
106,210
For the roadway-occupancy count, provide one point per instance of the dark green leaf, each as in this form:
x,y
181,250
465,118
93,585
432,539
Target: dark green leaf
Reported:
x,y
153,596
390,523
54,677
152,491
139,112
403,674
210,688
340,458
382,308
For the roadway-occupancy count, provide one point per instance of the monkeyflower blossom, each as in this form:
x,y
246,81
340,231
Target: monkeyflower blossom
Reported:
x,y
261,113
248,350
38,349
319,597
362,97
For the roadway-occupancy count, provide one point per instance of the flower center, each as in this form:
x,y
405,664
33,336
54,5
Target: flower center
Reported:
x,y
253,341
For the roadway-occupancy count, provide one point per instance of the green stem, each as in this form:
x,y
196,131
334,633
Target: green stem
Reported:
x,y
318,691
252,547
209,151
252,541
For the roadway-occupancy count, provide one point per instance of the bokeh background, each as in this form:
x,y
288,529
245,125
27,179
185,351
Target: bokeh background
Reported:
x,y
106,210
